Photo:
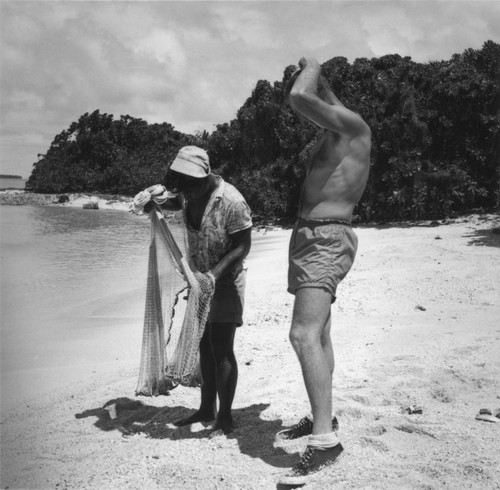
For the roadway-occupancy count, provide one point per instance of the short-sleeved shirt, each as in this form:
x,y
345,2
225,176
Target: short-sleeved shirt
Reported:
x,y
226,213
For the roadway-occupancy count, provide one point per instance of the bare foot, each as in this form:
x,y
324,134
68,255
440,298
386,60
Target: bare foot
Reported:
x,y
226,426
196,417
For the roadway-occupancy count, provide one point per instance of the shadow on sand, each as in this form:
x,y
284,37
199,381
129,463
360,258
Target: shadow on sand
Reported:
x,y
402,224
489,237
255,436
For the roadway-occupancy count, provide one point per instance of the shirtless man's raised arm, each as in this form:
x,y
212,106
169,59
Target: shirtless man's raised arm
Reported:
x,y
314,99
339,164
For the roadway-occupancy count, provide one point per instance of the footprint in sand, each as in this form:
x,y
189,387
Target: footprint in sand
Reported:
x,y
351,412
413,429
376,430
441,395
374,443
364,400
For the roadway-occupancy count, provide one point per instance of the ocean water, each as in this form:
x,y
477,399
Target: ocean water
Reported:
x,y
12,183
72,292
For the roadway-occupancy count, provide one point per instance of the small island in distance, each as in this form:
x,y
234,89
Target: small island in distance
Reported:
x,y
2,176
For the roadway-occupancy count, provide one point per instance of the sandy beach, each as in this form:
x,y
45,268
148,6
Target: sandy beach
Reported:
x,y
416,323
73,199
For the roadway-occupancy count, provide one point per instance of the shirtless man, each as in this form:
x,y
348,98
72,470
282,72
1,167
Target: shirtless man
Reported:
x,y
322,250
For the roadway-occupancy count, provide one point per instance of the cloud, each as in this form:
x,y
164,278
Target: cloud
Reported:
x,y
193,64
252,26
164,47
383,37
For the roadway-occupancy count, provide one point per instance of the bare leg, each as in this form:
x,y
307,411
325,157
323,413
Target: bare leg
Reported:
x,y
206,412
326,342
309,335
226,372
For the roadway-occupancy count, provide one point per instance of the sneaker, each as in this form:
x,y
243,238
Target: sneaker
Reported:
x,y
303,428
312,461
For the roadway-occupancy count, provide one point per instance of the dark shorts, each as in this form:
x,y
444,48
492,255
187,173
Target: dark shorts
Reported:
x,y
320,255
229,299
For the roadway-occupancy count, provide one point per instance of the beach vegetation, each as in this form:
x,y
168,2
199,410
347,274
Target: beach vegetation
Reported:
x,y
435,141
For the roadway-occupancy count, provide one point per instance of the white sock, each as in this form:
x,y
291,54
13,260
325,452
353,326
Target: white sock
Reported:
x,y
310,415
323,441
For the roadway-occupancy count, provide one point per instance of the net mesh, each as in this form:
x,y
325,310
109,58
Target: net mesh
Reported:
x,y
177,306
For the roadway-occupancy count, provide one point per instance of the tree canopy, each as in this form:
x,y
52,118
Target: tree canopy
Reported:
x,y
435,149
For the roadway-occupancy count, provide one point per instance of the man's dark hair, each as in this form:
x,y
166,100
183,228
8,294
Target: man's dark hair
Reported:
x,y
289,84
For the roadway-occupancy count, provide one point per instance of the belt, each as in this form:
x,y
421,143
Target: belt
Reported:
x,y
320,222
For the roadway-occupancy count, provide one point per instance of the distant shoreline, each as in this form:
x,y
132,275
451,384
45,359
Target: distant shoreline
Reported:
x,y
3,176
20,197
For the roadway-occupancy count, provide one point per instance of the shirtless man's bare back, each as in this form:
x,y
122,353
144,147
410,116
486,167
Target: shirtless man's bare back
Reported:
x,y
322,250
339,163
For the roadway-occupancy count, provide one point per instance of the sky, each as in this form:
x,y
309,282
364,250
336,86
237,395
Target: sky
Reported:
x,y
194,63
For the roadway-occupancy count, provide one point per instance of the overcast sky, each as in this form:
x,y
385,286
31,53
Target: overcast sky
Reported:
x,y
193,64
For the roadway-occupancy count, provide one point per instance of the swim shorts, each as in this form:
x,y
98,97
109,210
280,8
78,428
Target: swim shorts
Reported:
x,y
321,253
228,300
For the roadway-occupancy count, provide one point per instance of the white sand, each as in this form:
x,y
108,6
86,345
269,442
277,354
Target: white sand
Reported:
x,y
21,197
416,322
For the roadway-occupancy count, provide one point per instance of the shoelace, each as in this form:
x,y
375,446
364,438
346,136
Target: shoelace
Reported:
x,y
301,428
305,460
302,425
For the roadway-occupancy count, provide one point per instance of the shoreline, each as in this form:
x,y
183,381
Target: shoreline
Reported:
x,y
415,323
21,197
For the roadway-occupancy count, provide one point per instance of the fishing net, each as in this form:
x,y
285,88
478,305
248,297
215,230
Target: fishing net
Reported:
x,y
177,306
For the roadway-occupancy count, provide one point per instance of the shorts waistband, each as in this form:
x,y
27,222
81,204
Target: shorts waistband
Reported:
x,y
311,223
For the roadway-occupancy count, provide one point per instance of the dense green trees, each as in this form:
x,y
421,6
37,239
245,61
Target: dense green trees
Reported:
x,y
435,127
100,154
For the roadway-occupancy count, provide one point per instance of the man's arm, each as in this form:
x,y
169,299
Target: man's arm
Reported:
x,y
327,112
241,242
325,92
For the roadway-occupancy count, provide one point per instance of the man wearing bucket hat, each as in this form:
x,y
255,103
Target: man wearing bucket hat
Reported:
x,y
219,226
